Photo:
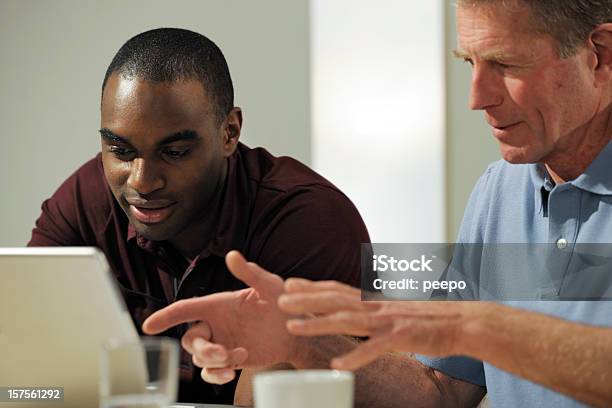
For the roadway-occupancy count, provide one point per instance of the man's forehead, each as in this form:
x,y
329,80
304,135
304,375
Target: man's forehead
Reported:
x,y
132,92
120,85
491,31
132,107
504,15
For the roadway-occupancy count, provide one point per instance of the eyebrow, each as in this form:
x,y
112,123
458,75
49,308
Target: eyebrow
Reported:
x,y
460,54
183,135
494,55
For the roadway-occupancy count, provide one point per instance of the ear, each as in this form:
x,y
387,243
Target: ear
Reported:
x,y
232,126
600,42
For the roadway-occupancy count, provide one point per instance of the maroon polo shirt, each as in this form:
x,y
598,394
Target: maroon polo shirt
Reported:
x,y
276,211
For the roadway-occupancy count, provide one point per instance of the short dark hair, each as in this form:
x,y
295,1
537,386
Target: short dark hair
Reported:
x,y
176,54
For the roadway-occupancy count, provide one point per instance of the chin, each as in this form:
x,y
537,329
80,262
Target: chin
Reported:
x,y
519,155
153,232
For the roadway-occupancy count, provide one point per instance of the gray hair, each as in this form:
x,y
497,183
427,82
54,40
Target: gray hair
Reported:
x,y
569,22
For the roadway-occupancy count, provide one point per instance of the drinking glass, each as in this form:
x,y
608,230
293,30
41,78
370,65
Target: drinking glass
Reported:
x,y
139,374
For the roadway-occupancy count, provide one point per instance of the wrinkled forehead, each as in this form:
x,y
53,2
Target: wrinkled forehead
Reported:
x,y
494,27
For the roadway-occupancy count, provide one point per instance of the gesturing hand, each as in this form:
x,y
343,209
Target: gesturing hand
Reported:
x,y
430,328
235,329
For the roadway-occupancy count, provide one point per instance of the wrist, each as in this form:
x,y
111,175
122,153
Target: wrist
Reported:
x,y
476,329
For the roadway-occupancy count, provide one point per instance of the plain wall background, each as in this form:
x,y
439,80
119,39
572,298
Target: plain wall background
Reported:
x,y
378,111
55,54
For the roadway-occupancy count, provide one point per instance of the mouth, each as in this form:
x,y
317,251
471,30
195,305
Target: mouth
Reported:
x,y
151,213
502,132
504,127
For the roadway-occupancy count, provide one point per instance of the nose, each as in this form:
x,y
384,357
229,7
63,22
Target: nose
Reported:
x,y
486,89
144,177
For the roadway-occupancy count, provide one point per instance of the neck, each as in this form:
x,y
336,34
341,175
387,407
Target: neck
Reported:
x,y
580,149
197,236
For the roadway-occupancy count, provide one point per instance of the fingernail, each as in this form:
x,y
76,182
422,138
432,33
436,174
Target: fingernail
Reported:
x,y
218,355
227,375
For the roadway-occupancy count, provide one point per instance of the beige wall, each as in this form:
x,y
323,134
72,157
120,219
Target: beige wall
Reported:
x,y
470,145
55,53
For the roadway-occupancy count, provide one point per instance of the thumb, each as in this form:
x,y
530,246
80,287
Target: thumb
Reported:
x,y
267,284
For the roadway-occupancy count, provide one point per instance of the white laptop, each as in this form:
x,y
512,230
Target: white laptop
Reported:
x,y
58,306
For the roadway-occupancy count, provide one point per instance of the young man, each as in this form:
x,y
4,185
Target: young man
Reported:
x,y
173,191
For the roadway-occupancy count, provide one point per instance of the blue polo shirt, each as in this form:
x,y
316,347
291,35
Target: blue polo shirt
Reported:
x,y
520,204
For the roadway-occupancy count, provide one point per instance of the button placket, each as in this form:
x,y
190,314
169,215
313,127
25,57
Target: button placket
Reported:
x,y
564,222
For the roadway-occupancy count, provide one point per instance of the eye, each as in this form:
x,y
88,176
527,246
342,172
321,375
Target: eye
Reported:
x,y
468,60
502,65
175,153
122,153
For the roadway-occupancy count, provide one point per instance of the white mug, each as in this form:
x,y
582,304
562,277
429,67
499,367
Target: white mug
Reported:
x,y
304,389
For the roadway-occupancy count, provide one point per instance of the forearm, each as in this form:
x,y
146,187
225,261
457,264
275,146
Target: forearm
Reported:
x,y
573,359
394,380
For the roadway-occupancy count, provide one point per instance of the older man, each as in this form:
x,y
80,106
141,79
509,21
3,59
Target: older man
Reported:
x,y
542,74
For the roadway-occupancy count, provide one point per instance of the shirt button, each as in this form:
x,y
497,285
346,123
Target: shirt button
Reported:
x,y
561,243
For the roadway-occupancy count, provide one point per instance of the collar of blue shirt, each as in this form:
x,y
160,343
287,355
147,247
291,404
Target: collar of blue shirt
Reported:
x,y
597,178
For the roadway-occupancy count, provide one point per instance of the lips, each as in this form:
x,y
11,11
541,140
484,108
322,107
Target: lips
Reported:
x,y
150,212
505,127
503,133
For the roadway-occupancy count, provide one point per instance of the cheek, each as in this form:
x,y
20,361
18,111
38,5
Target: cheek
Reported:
x,y
116,173
202,182
522,93
569,100
577,100
536,103
521,98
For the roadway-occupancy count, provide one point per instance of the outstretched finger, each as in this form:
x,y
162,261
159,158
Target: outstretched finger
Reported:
x,y
319,302
300,285
267,284
348,323
182,311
